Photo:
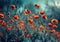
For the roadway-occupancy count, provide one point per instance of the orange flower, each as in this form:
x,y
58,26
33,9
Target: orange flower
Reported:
x,y
42,27
26,11
44,17
37,5
36,17
16,17
55,26
28,35
30,21
52,31
13,6
55,21
1,15
21,25
4,23
42,12
50,24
